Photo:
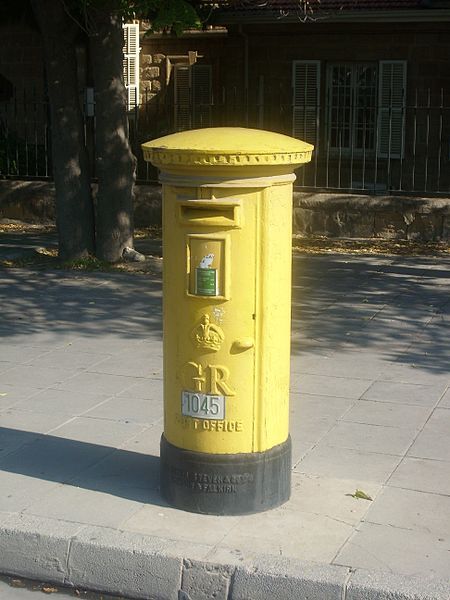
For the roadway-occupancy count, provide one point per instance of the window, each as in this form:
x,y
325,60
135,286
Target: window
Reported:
x,y
351,106
192,96
363,110
306,77
131,63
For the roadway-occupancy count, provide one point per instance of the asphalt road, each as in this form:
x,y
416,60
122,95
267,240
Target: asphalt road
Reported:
x,y
14,588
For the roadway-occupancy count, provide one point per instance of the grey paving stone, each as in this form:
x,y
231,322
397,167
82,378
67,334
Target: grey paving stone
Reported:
x,y
19,490
311,417
290,533
439,421
388,414
346,463
96,383
430,444
107,343
335,349
12,439
12,394
370,438
124,472
392,549
147,442
81,505
26,421
313,406
53,459
97,431
67,358
58,402
445,400
34,376
45,340
136,365
371,585
405,393
410,372
342,387
300,449
145,389
331,496
166,522
412,510
422,475
129,409
342,364
5,366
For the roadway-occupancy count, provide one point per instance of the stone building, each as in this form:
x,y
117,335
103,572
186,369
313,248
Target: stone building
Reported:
x,y
366,81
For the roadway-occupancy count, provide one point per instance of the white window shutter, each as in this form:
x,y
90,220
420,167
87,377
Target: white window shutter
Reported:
x,y
182,85
131,63
201,95
306,98
391,108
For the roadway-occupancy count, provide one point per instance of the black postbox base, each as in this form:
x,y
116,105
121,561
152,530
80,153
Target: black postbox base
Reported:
x,y
225,484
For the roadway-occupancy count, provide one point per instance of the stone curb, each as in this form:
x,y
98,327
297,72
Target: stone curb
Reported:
x,y
140,566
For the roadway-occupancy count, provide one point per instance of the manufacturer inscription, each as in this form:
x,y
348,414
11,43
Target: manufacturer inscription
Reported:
x,y
210,483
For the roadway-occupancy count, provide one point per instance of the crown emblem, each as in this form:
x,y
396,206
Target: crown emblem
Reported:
x,y
207,335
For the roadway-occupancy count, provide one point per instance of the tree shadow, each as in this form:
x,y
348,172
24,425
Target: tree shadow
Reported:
x,y
78,304
398,308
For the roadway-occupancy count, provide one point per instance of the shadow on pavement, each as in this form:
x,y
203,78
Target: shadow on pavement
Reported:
x,y
123,473
397,307
79,304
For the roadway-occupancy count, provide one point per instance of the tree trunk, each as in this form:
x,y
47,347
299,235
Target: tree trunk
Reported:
x,y
74,208
115,160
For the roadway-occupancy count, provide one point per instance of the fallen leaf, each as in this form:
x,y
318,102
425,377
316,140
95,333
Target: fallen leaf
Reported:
x,y
360,495
49,590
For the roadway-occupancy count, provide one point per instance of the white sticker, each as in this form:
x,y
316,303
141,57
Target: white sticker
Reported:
x,y
202,406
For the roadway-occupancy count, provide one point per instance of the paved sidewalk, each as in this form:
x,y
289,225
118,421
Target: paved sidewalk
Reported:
x,y
81,418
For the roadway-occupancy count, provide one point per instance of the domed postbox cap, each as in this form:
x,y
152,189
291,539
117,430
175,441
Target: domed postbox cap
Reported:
x,y
226,146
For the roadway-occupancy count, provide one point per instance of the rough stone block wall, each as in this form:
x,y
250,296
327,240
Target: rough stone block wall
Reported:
x,y
384,217
314,214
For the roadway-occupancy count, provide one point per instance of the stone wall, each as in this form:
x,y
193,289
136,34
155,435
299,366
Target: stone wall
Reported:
x,y
34,202
384,217
330,215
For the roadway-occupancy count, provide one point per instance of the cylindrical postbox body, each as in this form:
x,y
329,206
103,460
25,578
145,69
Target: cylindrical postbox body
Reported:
x,y
227,214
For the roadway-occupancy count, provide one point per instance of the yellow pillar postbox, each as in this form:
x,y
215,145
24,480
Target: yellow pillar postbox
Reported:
x,y
227,224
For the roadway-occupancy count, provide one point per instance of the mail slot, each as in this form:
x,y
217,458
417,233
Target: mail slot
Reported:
x,y
227,213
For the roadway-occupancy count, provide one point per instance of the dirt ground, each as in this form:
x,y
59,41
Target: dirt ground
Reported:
x,y
46,257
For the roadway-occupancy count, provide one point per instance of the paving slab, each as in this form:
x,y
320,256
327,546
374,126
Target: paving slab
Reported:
x,y
81,420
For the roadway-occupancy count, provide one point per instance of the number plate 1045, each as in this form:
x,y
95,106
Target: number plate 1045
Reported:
x,y
202,406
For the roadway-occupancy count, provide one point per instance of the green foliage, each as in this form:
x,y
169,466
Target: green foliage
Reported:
x,y
165,15
89,263
175,15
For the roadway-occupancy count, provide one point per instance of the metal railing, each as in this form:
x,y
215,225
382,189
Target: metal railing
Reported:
x,y
421,167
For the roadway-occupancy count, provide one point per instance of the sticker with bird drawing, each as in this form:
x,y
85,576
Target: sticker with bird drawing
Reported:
x,y
206,283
